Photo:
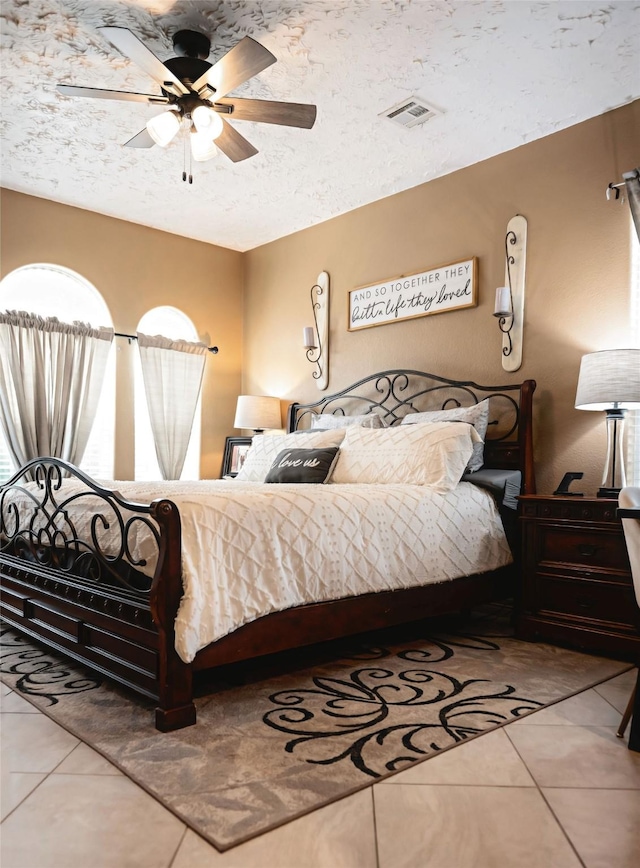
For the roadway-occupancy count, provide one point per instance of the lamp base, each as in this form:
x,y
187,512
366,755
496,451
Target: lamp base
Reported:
x,y
611,493
614,477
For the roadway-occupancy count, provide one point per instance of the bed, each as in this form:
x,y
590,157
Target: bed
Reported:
x,y
104,575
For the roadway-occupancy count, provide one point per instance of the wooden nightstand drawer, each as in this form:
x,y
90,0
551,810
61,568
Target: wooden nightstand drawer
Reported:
x,y
582,547
574,509
580,598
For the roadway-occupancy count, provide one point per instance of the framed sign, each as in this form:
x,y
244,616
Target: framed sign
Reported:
x,y
448,287
235,451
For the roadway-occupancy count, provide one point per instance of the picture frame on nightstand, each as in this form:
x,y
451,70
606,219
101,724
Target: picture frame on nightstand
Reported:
x,y
235,452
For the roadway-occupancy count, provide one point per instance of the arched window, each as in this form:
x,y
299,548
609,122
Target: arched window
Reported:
x,y
171,323
52,290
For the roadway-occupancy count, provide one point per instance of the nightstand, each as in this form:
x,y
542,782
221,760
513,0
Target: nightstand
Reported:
x,y
576,579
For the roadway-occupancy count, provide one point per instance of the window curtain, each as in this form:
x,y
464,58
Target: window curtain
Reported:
x,y
632,181
51,375
172,372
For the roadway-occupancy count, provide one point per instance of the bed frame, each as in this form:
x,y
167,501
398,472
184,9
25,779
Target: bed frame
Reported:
x,y
100,609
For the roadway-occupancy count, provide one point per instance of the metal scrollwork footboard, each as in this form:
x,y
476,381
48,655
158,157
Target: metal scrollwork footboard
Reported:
x,y
96,577
65,522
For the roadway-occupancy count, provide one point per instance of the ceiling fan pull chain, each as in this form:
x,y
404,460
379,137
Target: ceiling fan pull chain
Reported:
x,y
184,158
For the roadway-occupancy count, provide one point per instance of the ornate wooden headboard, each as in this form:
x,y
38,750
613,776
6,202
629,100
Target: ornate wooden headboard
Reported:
x,y
395,394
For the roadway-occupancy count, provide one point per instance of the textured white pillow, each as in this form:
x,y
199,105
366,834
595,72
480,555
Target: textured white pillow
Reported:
x,y
433,454
330,420
265,448
476,415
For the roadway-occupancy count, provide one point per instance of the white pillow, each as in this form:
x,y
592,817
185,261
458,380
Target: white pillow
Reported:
x,y
433,454
265,448
331,420
476,415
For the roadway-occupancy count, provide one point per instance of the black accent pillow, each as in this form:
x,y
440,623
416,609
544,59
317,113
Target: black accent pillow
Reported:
x,y
303,465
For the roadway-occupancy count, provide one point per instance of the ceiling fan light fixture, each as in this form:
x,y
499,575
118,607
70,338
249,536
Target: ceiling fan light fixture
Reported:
x,y
203,146
194,92
207,121
162,128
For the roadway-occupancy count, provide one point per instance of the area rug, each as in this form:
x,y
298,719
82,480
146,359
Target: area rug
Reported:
x,y
272,744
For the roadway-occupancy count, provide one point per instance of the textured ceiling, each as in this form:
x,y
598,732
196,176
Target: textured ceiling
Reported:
x,y
504,73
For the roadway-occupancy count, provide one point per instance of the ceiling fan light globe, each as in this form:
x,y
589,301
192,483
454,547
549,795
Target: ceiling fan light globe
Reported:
x,y
164,127
207,121
202,146
216,126
201,116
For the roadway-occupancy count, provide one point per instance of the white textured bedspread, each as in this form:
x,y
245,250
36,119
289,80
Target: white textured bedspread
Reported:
x,y
249,548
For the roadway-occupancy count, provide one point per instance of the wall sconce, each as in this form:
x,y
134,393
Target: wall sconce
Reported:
x,y
257,412
509,305
613,192
610,380
316,342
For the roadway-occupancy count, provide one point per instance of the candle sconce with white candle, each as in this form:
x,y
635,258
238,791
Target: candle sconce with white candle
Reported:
x,y
316,340
509,303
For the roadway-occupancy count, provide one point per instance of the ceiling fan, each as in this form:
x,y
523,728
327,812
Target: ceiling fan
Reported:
x,y
195,92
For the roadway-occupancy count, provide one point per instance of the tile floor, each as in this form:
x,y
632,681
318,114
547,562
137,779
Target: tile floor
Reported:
x,y
554,790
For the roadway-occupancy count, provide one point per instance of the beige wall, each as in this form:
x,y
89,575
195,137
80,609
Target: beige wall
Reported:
x,y
577,285
578,277
135,269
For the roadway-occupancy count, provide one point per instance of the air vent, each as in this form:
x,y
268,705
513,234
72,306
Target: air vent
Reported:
x,y
411,112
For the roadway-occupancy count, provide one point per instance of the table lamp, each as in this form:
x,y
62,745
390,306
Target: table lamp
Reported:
x,y
610,380
257,412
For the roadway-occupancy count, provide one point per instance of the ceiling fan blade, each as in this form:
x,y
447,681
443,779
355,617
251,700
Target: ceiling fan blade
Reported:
x,y
141,140
235,146
264,111
128,44
245,60
101,93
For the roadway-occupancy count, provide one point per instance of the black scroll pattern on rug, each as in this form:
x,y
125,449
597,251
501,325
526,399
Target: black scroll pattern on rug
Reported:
x,y
381,719
435,654
41,673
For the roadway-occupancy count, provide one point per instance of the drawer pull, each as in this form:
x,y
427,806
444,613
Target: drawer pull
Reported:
x,y
587,551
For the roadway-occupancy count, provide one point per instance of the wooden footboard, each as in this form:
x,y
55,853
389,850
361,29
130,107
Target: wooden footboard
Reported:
x,y
98,578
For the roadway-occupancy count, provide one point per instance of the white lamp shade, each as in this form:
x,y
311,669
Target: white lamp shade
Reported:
x,y
207,121
610,378
257,412
162,128
202,146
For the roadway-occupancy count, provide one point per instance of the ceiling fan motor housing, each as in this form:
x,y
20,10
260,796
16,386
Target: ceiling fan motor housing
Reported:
x,y
192,49
190,43
187,69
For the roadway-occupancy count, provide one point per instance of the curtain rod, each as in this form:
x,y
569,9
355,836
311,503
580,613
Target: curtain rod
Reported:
x,y
213,350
